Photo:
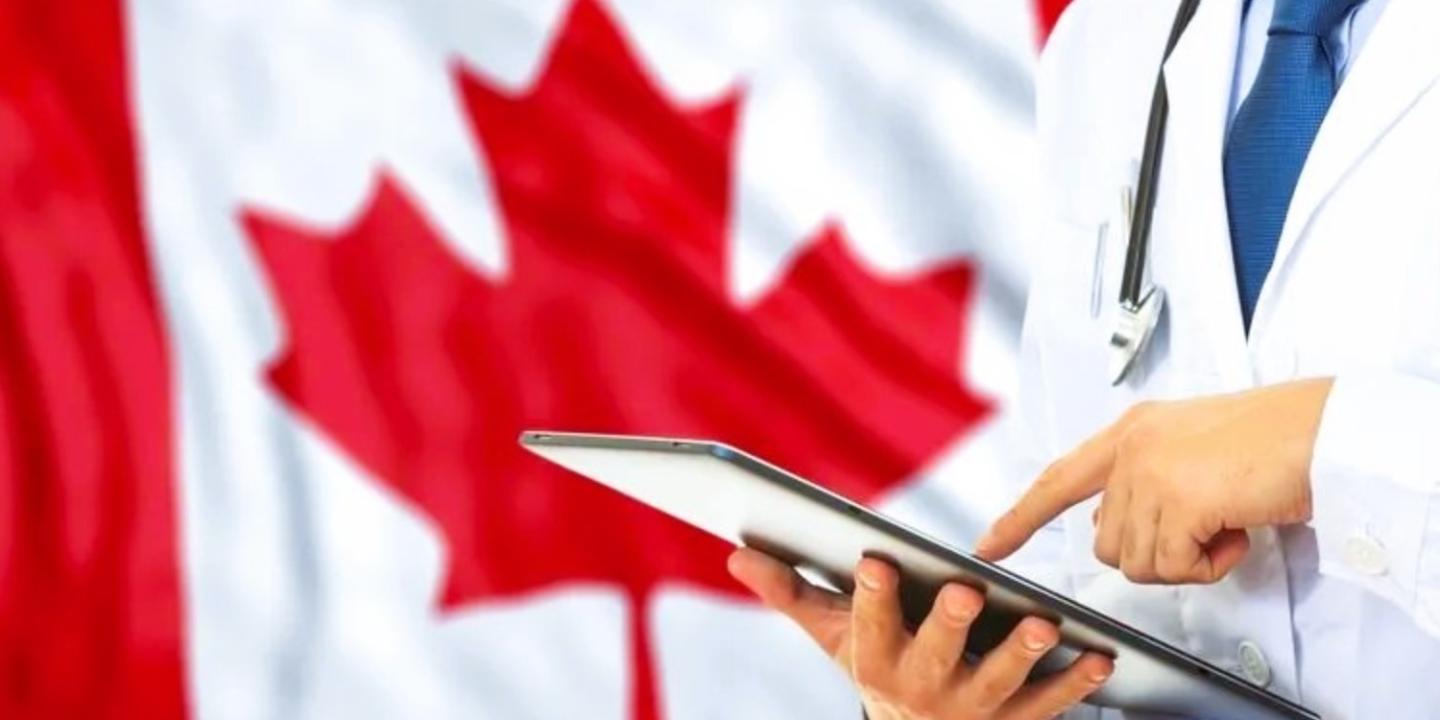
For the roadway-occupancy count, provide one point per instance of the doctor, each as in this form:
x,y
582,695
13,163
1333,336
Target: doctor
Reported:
x,y
1263,487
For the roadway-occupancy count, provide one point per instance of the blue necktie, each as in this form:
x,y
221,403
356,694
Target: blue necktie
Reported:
x,y
1273,131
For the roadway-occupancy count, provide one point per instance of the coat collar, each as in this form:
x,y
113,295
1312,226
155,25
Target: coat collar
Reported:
x,y
1398,63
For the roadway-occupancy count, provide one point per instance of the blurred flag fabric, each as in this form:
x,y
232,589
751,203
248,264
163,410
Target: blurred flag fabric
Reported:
x,y
282,280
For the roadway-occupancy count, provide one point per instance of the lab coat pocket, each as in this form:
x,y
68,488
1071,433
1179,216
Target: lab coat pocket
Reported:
x,y
1075,308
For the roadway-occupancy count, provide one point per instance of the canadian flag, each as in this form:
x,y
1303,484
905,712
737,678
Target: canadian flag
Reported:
x,y
282,280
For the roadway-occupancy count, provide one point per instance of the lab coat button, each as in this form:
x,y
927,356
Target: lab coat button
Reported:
x,y
1253,664
1366,555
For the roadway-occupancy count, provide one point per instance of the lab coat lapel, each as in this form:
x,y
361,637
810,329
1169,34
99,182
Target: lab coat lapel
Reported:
x,y
1192,249
1192,208
1399,61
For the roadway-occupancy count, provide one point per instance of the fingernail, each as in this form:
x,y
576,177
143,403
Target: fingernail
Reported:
x,y
868,579
1099,676
985,544
1036,642
958,608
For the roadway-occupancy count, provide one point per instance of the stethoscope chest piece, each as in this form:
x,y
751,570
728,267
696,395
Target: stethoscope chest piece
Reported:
x,y
1134,327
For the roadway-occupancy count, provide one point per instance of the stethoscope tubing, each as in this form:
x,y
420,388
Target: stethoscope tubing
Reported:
x,y
1132,285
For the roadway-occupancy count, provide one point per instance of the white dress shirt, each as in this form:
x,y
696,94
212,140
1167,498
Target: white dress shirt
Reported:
x,y
1343,44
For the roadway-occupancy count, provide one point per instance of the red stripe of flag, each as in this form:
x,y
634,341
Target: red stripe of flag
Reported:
x,y
90,604
90,601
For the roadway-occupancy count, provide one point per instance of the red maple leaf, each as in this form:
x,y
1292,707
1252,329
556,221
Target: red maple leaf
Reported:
x,y
1049,12
614,316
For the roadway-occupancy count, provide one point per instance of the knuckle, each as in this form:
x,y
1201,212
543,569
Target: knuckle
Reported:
x,y
1169,564
923,670
1207,520
1206,577
872,675
1138,574
1105,551
1183,488
1074,691
989,693
1137,414
867,628
1171,574
927,670
1053,474
1152,471
1131,448
1132,415
1053,709
1133,548
1129,570
1076,686
787,593
1129,462
1141,471
1138,569
918,700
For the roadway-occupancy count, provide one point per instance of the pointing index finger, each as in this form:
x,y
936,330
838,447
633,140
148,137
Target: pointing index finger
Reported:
x,y
1066,482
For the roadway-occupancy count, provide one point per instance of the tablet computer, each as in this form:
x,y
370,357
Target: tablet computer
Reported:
x,y
745,500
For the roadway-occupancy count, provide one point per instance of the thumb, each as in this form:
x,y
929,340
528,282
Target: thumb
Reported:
x,y
824,615
1224,552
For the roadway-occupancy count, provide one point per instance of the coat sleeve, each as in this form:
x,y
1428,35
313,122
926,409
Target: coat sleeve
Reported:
x,y
1375,480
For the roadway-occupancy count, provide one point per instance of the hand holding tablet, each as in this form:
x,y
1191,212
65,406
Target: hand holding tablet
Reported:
x,y
798,524
905,674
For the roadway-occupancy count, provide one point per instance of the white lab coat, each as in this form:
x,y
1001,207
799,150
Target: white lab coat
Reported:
x,y
1343,613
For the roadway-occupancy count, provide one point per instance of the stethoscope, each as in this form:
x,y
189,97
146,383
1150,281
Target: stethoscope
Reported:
x,y
1142,301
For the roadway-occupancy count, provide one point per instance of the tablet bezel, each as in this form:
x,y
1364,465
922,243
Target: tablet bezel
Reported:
x,y
1043,601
